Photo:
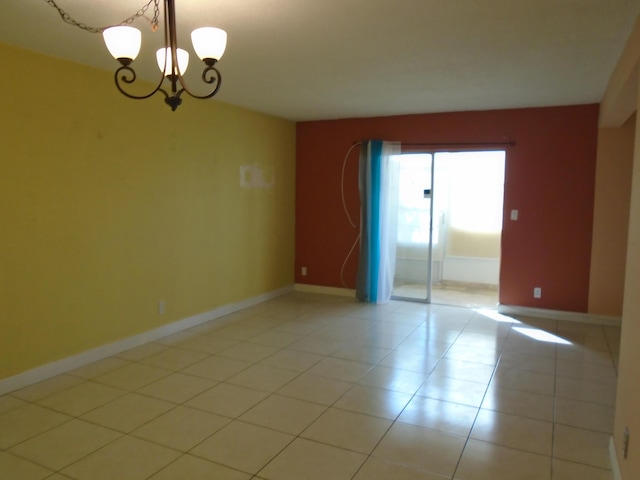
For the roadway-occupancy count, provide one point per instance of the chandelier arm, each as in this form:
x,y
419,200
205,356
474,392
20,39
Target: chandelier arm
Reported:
x,y
211,76
127,75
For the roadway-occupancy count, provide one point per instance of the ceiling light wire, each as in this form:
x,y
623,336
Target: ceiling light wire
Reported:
x,y
344,164
346,211
344,264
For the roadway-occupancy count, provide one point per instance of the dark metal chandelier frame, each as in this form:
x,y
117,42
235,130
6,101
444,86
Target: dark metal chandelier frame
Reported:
x,y
126,75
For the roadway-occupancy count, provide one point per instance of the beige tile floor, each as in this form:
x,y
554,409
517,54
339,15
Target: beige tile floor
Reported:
x,y
308,387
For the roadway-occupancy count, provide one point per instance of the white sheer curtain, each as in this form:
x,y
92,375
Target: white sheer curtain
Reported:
x,y
378,182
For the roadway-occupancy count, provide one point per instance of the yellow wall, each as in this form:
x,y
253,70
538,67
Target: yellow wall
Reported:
x,y
618,104
611,218
109,205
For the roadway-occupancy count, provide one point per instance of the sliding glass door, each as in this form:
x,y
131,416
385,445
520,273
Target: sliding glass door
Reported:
x,y
449,227
414,251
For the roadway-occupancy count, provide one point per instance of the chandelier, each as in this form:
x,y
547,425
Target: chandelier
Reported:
x,y
123,42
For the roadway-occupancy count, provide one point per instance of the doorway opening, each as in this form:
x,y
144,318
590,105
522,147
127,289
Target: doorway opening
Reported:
x,y
450,210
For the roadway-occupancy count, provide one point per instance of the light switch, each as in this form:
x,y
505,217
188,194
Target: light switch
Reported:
x,y
514,215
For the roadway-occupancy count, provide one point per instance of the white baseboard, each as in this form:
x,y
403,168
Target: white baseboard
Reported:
x,y
613,458
49,370
560,315
342,292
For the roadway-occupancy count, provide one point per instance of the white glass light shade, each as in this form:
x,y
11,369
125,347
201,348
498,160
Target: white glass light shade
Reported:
x,y
123,41
209,42
183,60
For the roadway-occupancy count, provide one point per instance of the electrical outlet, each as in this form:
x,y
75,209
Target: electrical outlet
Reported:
x,y
537,292
303,270
161,307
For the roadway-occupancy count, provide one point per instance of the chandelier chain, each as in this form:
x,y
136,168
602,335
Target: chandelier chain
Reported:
x,y
140,13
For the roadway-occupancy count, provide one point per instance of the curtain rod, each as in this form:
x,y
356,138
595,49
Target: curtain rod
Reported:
x,y
510,143
461,144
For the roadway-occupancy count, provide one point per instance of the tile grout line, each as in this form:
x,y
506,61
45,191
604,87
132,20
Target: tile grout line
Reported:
x,y
493,373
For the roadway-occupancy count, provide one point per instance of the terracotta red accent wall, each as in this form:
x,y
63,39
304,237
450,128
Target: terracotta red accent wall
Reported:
x,y
550,177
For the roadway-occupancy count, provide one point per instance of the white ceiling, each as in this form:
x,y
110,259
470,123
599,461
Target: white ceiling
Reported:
x,y
324,59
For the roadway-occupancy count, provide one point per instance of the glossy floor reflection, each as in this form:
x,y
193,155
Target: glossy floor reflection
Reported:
x,y
319,387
